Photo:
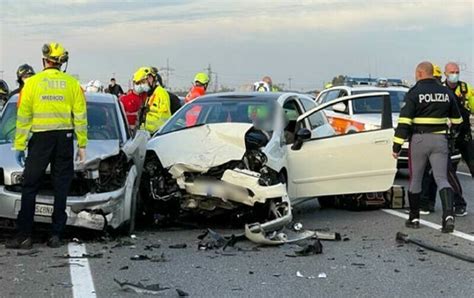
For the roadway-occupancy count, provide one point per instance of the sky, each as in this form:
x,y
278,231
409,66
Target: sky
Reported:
x,y
302,42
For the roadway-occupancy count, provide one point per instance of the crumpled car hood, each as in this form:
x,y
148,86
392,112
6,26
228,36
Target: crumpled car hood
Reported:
x,y
201,148
96,151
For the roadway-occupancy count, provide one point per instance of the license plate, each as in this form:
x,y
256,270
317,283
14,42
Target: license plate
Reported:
x,y
44,210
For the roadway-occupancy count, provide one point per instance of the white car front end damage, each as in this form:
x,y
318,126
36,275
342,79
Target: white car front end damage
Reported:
x,y
212,168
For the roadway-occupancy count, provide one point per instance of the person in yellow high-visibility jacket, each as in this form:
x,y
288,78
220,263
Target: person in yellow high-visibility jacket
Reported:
x,y
52,107
159,110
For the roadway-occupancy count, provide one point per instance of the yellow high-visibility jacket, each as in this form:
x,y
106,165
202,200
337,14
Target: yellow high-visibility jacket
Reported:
x,y
159,109
51,100
468,93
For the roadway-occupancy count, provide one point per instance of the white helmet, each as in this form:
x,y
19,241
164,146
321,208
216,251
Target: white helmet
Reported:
x,y
94,86
261,86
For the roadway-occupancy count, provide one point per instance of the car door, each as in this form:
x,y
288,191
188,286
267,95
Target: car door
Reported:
x,y
343,164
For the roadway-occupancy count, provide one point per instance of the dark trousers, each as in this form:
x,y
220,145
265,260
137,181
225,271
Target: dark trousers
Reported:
x,y
428,193
44,148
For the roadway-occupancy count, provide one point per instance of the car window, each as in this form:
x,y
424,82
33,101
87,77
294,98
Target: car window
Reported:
x,y
291,110
374,104
258,112
102,122
333,94
316,119
322,98
8,123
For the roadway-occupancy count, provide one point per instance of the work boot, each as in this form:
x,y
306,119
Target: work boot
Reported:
x,y
54,242
460,211
414,216
446,195
19,242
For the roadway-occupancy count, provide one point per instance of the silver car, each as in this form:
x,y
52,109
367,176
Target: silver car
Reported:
x,y
104,190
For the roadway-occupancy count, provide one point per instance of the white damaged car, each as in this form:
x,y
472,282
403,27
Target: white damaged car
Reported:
x,y
104,190
254,154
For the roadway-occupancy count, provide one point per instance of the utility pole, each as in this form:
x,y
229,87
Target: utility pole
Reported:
x,y
289,83
1,72
210,72
168,71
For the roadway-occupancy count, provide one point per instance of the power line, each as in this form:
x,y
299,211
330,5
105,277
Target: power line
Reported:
x,y
168,71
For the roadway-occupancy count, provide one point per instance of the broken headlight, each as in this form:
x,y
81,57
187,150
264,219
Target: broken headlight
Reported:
x,y
112,172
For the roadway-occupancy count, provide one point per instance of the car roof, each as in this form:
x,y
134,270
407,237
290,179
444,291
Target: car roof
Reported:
x,y
369,88
263,96
90,97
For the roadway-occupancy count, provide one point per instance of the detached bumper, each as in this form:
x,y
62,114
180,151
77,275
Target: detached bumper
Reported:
x,y
92,211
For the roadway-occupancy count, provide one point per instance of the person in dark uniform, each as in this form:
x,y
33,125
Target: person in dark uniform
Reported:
x,y
464,94
428,108
114,88
428,193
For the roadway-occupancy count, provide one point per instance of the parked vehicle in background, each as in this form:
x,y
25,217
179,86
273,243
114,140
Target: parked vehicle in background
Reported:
x,y
351,116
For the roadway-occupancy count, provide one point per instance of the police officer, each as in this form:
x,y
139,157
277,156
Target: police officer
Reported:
x,y
52,106
428,193
465,97
424,121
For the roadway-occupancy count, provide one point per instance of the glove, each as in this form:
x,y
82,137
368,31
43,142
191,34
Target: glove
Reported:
x,y
20,158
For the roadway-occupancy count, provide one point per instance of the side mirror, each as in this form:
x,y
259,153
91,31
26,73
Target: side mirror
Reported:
x,y
339,107
302,135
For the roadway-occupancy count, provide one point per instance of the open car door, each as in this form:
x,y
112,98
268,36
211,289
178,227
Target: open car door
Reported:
x,y
343,164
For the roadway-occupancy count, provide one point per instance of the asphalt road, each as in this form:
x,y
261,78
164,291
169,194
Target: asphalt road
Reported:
x,y
368,263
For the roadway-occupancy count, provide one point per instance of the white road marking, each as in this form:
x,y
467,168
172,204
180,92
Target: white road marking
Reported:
x,y
430,224
465,174
81,277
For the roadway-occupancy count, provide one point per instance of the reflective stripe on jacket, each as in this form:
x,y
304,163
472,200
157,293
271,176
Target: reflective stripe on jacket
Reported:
x,y
428,108
159,110
51,100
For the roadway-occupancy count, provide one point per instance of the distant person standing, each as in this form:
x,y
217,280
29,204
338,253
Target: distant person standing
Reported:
x,y
427,108
269,81
201,81
23,72
465,98
115,88
52,107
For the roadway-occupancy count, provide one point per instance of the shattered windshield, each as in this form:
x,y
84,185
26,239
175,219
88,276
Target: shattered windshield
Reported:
x,y
260,113
102,122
